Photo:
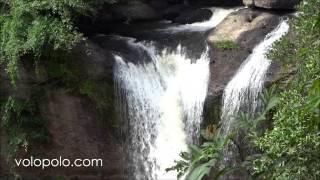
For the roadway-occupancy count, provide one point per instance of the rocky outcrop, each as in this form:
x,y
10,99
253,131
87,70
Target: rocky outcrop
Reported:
x,y
173,11
78,129
176,1
76,133
238,25
245,29
158,4
272,4
193,16
232,41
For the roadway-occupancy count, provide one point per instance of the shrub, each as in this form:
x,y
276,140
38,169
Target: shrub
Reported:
x,y
33,28
226,45
291,148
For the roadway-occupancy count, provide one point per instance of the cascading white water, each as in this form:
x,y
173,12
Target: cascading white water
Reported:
x,y
163,102
218,14
243,91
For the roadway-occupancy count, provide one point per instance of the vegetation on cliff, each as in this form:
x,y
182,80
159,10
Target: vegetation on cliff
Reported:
x,y
41,33
38,28
226,45
291,148
35,28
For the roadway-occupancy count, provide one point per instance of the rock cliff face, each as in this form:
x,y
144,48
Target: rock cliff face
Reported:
x,y
77,127
77,133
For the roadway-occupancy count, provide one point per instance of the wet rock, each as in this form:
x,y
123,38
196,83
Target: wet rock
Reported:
x,y
246,28
173,11
134,11
74,126
272,4
175,1
158,4
193,16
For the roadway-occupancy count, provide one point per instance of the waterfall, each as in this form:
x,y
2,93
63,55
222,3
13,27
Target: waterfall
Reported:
x,y
162,101
243,91
242,94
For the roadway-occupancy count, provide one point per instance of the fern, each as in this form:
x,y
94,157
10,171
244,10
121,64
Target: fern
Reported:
x,y
199,161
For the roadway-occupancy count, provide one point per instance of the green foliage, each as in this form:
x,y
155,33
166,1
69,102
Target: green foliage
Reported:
x,y
198,161
23,124
72,76
252,126
226,45
43,32
33,28
290,150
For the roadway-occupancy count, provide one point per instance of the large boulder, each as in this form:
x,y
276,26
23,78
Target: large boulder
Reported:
x,y
272,4
173,11
245,28
158,4
175,1
193,16
134,11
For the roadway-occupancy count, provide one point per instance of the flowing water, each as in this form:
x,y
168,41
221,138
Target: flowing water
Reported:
x,y
218,14
164,102
243,91
161,100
